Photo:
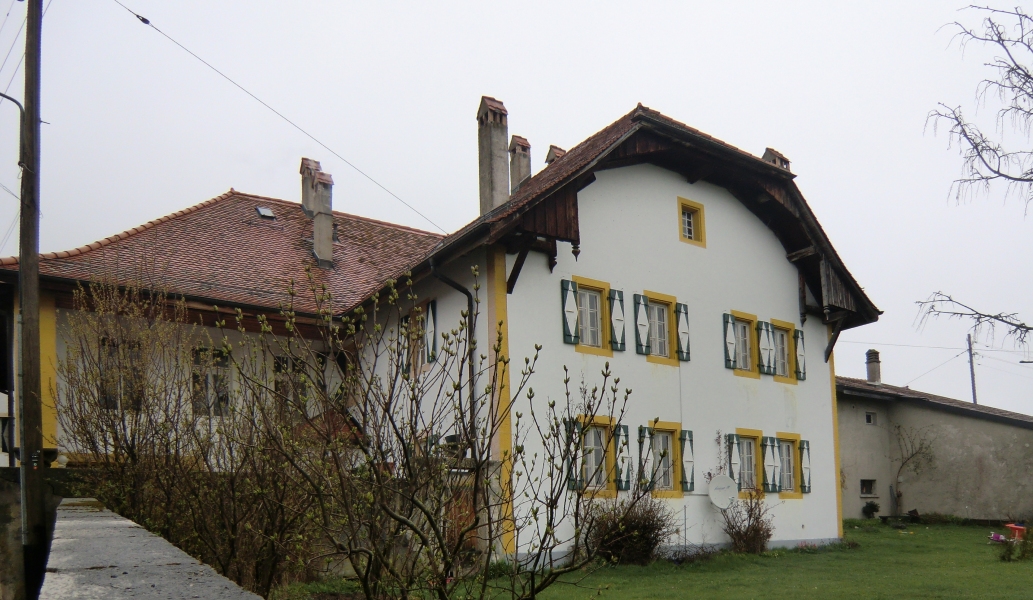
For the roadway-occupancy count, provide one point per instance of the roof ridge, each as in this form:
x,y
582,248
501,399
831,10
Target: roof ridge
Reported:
x,y
918,394
13,260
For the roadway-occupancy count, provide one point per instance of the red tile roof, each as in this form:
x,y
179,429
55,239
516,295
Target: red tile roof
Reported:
x,y
221,251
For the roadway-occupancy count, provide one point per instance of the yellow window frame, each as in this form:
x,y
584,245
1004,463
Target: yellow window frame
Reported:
x,y
605,326
790,330
794,438
758,460
674,429
671,359
699,228
609,456
753,372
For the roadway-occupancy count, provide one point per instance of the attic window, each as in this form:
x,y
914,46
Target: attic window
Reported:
x,y
265,212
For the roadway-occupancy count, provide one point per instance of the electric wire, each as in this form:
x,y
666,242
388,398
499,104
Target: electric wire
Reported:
x,y
14,43
930,347
148,23
6,16
1005,372
10,230
8,190
22,59
936,367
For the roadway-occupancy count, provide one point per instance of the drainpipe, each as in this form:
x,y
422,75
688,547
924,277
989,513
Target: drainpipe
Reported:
x,y
471,325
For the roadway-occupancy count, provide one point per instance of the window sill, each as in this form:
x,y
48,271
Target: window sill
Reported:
x,y
790,495
745,494
869,495
787,380
747,374
600,493
667,493
662,360
699,243
594,350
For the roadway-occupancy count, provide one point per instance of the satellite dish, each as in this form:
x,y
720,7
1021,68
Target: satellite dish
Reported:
x,y
723,491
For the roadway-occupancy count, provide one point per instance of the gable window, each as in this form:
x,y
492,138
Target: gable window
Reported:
x,y
210,395
590,316
692,228
869,418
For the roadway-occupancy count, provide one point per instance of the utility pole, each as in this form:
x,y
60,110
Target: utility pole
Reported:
x,y
30,417
972,369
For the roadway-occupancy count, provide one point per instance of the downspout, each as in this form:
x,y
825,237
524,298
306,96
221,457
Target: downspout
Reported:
x,y
471,325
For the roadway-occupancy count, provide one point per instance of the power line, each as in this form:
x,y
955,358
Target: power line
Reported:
x,y
22,59
8,190
14,42
147,22
10,230
8,14
937,366
930,347
1006,372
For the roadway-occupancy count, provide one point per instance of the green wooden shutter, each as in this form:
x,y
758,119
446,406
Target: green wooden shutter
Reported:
x,y
571,328
575,478
403,345
617,320
645,453
430,331
767,453
801,357
766,348
734,459
617,455
641,324
805,466
778,466
729,341
625,458
688,471
681,316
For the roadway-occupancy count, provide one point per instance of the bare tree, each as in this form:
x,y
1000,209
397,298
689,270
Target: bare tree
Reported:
x,y
986,158
915,449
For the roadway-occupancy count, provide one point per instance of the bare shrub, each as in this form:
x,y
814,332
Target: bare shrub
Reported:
x,y
631,533
749,524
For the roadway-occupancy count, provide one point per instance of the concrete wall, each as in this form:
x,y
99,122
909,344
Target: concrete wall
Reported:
x,y
981,469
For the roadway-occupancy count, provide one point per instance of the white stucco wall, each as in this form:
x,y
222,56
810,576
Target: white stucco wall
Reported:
x,y
630,239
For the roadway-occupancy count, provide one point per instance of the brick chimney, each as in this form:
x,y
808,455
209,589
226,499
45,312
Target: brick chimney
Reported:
x,y
874,367
317,201
492,150
519,162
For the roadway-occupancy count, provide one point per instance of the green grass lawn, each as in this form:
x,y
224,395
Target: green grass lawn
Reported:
x,y
934,561
926,561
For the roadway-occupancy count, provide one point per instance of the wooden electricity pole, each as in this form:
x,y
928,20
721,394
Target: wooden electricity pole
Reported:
x,y
30,416
972,369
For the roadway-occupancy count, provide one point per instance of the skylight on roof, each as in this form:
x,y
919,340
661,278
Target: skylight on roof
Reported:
x,y
265,212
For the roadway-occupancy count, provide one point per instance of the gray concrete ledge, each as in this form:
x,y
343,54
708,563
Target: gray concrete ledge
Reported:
x,y
98,555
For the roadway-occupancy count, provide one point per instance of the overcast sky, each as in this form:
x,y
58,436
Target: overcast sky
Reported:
x,y
138,128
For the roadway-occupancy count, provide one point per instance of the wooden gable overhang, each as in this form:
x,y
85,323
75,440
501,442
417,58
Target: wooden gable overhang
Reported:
x,y
765,189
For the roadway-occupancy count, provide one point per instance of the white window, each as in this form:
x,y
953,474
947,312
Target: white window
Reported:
x,y
211,383
659,336
869,418
781,352
595,457
662,450
590,317
748,464
743,357
787,450
688,222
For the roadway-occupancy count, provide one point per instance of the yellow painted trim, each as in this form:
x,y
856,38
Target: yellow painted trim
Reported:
x,y
790,354
610,456
605,325
700,232
758,464
753,372
835,437
671,359
498,310
48,367
783,436
672,428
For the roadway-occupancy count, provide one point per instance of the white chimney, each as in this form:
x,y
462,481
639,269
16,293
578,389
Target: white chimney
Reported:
x,y
492,153
317,202
874,367
519,162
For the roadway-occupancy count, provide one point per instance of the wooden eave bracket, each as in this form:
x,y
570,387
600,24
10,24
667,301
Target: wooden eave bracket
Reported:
x,y
836,330
514,274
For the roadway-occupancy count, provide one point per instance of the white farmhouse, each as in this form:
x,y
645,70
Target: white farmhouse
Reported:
x,y
696,270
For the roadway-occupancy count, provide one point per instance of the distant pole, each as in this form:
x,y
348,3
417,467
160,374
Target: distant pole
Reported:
x,y
972,369
30,416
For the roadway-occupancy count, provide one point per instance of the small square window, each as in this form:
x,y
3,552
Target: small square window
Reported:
x,y
265,212
867,487
691,226
869,418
